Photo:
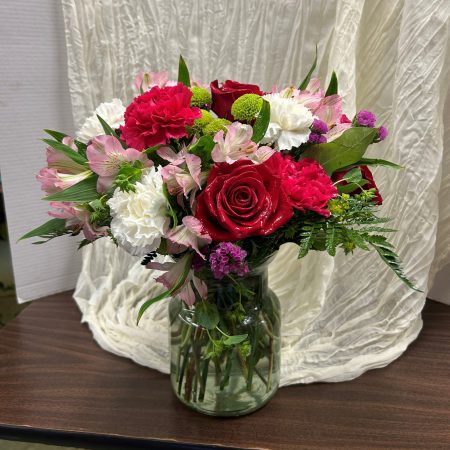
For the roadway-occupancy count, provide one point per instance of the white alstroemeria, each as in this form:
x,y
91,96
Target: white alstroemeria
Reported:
x,y
140,219
289,122
111,112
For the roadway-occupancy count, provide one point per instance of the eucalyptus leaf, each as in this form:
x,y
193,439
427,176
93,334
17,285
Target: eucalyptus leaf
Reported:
x,y
237,339
344,151
48,228
183,73
333,86
305,82
262,122
69,152
207,315
83,191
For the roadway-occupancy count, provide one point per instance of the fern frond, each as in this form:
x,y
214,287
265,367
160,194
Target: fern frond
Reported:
x,y
307,237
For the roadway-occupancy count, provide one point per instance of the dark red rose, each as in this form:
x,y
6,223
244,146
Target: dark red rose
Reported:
x,y
157,116
307,186
224,96
367,175
243,199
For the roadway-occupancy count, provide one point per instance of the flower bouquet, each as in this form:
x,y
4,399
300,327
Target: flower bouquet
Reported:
x,y
205,183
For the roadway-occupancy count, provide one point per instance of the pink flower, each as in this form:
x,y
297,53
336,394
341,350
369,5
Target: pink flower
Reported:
x,y
146,80
307,186
106,155
174,270
77,219
61,171
183,176
159,115
328,109
190,234
237,145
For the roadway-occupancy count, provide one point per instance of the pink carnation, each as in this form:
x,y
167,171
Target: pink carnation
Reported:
x,y
307,186
159,115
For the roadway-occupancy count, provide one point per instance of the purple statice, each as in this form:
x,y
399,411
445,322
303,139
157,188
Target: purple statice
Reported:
x,y
228,258
319,126
315,138
382,133
366,119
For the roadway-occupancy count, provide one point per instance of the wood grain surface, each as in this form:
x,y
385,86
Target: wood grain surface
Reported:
x,y
57,385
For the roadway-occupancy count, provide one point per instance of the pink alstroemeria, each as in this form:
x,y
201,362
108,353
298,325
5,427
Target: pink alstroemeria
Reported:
x,y
190,234
183,176
61,171
327,109
146,80
344,124
77,219
106,155
237,144
173,272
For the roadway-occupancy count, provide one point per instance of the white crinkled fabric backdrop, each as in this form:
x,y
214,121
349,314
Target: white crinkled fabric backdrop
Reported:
x,y
340,317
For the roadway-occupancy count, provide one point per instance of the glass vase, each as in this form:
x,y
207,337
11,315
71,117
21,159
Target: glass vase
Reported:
x,y
225,351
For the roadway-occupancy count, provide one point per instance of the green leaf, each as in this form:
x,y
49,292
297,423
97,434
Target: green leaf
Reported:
x,y
84,191
345,151
353,176
308,234
207,315
172,211
237,339
173,289
305,82
70,153
183,73
48,228
56,135
351,187
392,260
109,131
262,122
331,239
377,162
202,148
333,86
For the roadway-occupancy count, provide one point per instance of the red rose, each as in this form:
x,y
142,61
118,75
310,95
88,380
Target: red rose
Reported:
x,y
307,186
366,175
223,97
157,116
243,199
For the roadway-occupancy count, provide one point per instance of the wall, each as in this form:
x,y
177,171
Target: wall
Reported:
x,y
34,94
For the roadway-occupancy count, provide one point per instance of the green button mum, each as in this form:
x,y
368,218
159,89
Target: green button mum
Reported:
x,y
246,107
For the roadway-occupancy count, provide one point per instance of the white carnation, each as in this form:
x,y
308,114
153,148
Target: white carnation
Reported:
x,y
111,112
289,122
140,218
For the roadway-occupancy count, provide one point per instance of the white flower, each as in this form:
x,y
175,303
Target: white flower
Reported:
x,y
140,218
111,112
289,122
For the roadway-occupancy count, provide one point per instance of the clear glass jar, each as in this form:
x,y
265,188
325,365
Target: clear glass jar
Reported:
x,y
233,367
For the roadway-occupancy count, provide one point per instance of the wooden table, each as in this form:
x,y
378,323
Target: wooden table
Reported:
x,y
58,386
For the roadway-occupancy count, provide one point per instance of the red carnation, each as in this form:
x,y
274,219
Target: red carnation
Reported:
x,y
307,186
224,96
366,175
243,199
157,116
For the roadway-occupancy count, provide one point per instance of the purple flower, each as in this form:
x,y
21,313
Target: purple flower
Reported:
x,y
366,119
319,126
315,138
228,258
382,133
